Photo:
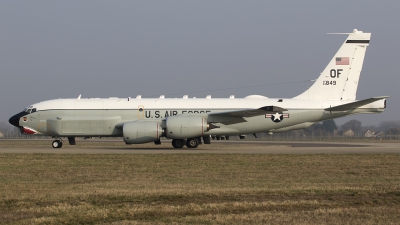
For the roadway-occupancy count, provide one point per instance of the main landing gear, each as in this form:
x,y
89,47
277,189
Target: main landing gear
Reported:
x,y
190,142
178,143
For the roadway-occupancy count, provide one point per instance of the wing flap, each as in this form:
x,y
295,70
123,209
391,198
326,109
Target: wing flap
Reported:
x,y
354,105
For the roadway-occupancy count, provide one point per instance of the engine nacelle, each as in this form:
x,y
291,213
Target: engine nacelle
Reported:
x,y
181,127
139,132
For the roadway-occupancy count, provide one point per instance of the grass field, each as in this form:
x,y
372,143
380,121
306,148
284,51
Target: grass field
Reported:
x,y
199,189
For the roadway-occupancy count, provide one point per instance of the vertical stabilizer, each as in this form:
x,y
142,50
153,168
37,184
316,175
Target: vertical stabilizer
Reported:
x,y
339,80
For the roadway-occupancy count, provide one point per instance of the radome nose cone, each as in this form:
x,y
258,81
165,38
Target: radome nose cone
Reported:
x,y
14,120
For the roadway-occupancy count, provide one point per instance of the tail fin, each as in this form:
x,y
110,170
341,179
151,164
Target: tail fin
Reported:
x,y
339,80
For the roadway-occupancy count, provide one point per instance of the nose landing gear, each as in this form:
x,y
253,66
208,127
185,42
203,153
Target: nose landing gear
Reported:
x,y
57,144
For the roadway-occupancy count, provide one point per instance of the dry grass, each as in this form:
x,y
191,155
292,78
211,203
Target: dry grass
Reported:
x,y
199,189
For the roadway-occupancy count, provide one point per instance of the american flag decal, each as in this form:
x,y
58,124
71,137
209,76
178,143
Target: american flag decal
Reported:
x,y
342,61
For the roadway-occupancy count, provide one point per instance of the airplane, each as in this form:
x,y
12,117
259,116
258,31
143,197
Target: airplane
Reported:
x,y
188,121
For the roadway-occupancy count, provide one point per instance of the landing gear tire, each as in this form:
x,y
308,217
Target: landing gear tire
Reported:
x,y
178,143
57,144
192,142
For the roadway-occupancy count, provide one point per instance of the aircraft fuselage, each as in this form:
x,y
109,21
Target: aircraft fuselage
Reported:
x,y
103,117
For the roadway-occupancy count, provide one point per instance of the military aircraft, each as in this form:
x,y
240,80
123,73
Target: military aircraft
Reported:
x,y
188,121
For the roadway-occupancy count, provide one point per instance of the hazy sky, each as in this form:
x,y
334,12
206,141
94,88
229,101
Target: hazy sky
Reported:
x,y
60,49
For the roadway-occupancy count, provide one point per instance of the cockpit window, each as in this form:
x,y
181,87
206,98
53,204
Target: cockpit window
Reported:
x,y
33,110
29,109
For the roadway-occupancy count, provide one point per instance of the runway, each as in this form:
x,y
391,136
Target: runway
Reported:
x,y
217,147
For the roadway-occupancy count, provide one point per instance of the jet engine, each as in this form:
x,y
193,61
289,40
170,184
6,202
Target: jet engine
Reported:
x,y
181,127
139,132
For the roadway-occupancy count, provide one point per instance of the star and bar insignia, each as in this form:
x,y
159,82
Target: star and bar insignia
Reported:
x,y
277,117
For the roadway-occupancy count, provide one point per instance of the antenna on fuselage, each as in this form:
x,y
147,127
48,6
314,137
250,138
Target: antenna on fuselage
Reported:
x,y
79,97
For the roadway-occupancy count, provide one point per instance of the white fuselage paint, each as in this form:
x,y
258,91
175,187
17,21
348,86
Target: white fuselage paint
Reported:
x,y
102,116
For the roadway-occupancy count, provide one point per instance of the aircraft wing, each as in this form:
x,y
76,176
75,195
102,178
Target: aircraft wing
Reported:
x,y
238,116
354,105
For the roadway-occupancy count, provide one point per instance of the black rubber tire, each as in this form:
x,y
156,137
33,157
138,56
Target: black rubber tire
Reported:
x,y
192,142
178,143
56,144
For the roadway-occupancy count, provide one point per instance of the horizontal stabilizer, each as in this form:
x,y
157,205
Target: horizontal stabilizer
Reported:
x,y
354,105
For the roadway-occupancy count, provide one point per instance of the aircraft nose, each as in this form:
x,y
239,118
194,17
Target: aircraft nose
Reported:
x,y
14,120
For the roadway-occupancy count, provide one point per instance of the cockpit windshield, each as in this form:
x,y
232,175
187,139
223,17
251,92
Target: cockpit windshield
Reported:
x,y
30,109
